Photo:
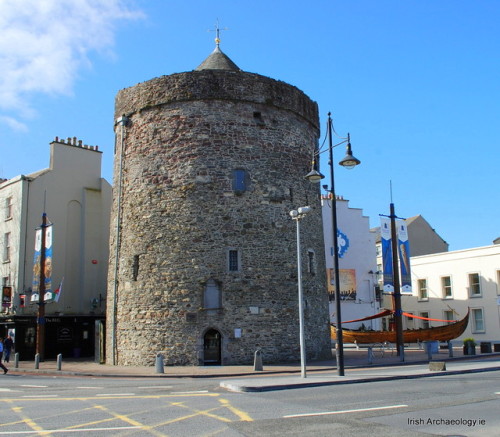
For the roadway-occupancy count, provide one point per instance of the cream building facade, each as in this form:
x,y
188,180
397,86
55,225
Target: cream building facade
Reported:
x,y
77,202
446,284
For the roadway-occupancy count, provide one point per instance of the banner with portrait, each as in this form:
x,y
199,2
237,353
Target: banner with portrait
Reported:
x,y
386,243
347,279
404,256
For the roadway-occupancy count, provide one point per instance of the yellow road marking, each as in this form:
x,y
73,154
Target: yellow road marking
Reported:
x,y
28,421
94,398
241,414
130,421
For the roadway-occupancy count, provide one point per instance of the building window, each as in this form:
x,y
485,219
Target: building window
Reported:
x,y
135,267
425,323
6,247
477,320
422,289
448,315
446,287
8,208
311,262
474,285
410,322
240,181
211,295
233,260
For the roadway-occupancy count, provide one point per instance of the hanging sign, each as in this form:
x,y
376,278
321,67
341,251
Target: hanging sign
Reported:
x,y
386,241
404,256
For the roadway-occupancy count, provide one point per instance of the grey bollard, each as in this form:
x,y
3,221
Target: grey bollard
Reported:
x,y
59,361
450,349
370,355
159,363
16,360
429,350
401,353
37,361
257,362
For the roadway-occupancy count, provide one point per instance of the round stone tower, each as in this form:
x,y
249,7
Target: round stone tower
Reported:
x,y
203,267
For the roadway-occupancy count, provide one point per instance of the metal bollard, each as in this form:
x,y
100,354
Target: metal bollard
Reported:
x,y
16,360
450,349
257,361
159,364
59,361
401,353
370,355
37,361
429,350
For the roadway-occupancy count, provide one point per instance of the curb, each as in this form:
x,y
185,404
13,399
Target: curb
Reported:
x,y
255,389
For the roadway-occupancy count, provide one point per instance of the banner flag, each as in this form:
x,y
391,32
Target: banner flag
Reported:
x,y
6,296
48,258
404,256
386,242
57,293
36,262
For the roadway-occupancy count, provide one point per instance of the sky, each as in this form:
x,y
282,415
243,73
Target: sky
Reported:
x,y
416,83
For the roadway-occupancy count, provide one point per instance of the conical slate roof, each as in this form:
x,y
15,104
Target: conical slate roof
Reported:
x,y
218,61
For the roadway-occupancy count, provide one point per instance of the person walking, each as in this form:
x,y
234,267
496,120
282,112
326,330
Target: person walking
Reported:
x,y
8,344
5,370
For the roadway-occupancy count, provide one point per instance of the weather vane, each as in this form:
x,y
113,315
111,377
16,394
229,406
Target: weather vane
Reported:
x,y
217,32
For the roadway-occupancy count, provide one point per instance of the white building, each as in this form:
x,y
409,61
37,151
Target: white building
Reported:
x,y
77,202
446,284
357,264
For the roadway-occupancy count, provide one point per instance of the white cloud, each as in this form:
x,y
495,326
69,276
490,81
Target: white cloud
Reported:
x,y
45,43
13,123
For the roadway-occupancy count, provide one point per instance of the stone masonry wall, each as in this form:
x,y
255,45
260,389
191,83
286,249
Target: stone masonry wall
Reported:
x,y
181,215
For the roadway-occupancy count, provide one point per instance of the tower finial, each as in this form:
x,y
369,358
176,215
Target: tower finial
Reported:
x,y
217,33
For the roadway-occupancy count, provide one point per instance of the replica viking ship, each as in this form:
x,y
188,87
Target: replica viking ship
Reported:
x,y
440,333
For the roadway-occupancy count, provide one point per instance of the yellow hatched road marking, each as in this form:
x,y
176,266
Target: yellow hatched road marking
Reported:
x,y
241,414
130,421
28,421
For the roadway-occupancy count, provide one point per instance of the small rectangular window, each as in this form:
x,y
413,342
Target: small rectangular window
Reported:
x,y
477,320
448,315
474,284
311,264
233,260
422,289
446,287
8,208
425,323
240,181
6,247
135,267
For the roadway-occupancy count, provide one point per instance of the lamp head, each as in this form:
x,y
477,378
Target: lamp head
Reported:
x,y
303,210
314,176
349,161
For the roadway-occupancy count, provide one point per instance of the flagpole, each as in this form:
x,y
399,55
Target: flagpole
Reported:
x,y
40,321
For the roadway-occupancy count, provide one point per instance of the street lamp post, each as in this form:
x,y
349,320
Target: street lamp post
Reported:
x,y
297,215
349,161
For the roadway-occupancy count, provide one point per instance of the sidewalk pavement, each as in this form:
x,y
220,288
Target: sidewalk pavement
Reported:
x,y
386,365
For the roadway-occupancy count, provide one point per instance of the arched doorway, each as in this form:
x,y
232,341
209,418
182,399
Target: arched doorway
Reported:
x,y
212,348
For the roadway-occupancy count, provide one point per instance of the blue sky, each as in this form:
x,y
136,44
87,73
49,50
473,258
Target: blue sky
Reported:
x,y
415,82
